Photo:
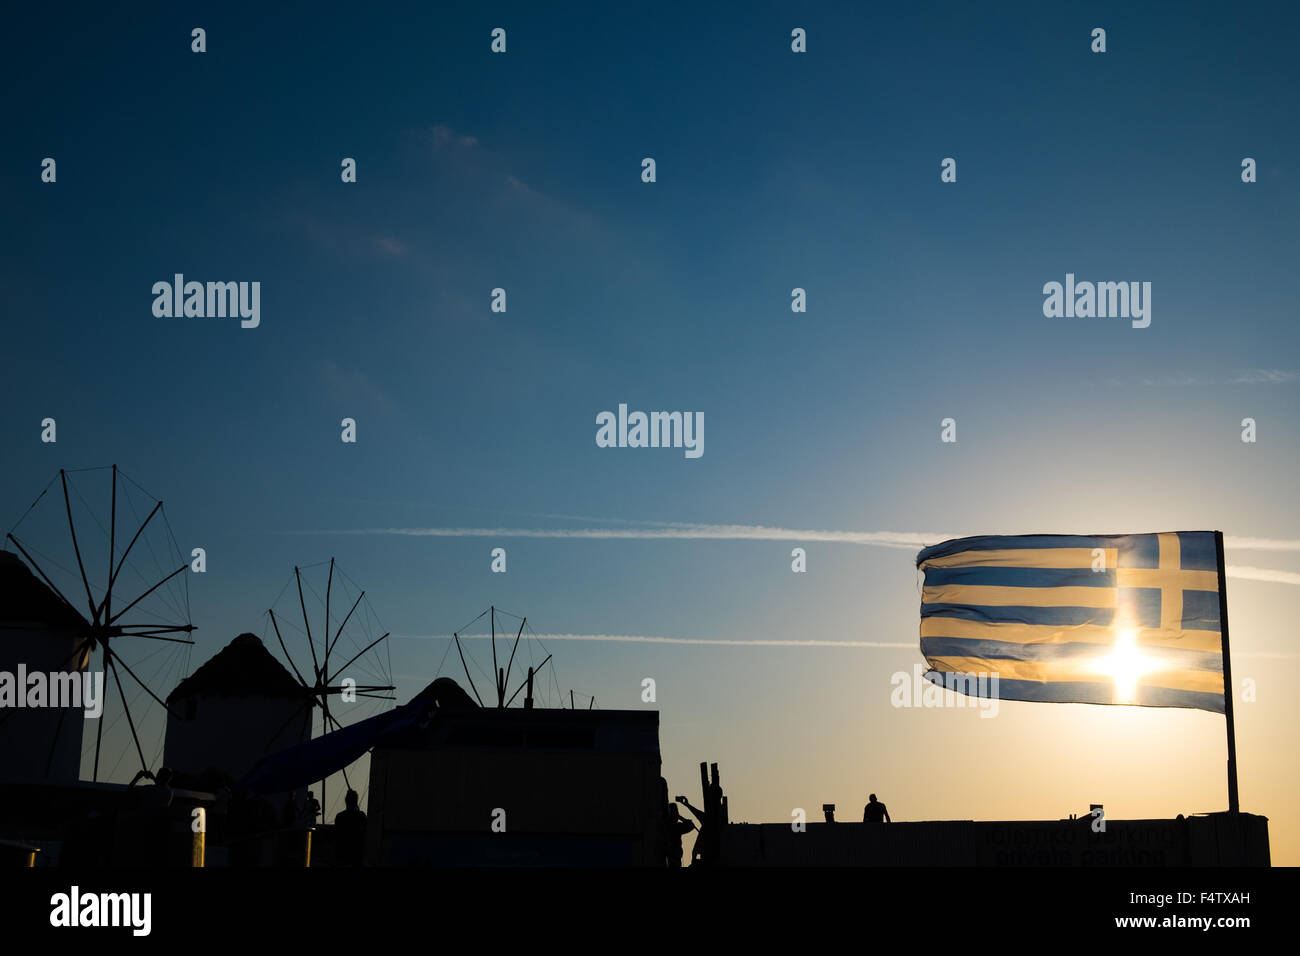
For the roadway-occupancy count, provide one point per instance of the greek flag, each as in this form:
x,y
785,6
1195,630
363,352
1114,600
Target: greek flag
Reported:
x,y
1088,619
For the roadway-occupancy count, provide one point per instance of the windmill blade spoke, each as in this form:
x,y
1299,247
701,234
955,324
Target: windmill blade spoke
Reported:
x,y
72,529
99,730
509,663
496,674
126,707
114,656
307,624
286,650
183,567
358,654
130,629
139,531
339,633
167,597
158,637
329,584
107,606
525,683
466,666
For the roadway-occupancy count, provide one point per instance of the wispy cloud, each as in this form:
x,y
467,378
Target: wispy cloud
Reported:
x,y
493,176
646,639
722,642
715,532
1247,573
1243,376
741,532
1265,376
445,138
388,246
1261,544
347,240
904,540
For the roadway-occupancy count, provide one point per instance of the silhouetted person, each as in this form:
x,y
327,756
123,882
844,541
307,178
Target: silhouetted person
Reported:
x,y
350,832
311,810
139,775
875,811
709,843
676,827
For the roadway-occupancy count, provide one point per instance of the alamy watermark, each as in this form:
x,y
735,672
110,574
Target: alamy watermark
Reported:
x,y
958,690
74,908
653,430
1102,300
210,300
59,689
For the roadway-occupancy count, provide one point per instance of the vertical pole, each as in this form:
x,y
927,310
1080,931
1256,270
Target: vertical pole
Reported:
x,y
511,663
1234,805
494,652
324,729
528,700
99,731
501,687
112,550
709,823
329,584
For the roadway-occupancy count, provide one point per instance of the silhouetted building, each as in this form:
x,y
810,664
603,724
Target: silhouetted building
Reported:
x,y
1216,839
39,633
238,707
518,787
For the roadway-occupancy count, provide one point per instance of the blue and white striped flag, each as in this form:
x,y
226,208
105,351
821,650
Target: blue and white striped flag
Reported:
x,y
1091,619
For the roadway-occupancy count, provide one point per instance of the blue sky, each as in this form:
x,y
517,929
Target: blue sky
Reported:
x,y
775,170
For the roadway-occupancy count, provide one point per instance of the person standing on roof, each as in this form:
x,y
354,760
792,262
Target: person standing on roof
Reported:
x,y
875,811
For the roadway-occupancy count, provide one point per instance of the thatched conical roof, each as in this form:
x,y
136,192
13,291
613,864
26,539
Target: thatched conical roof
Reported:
x,y
244,668
25,599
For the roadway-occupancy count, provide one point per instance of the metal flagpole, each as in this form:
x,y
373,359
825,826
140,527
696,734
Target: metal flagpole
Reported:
x,y
1228,688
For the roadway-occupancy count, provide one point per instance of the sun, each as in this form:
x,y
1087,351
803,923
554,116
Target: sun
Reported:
x,y
1126,665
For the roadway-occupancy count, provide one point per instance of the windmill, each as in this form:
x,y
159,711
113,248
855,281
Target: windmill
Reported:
x,y
352,638
500,676
138,595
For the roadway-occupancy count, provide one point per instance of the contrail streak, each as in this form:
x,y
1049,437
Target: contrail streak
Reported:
x,y
741,532
1262,574
716,532
1261,544
906,540
645,639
